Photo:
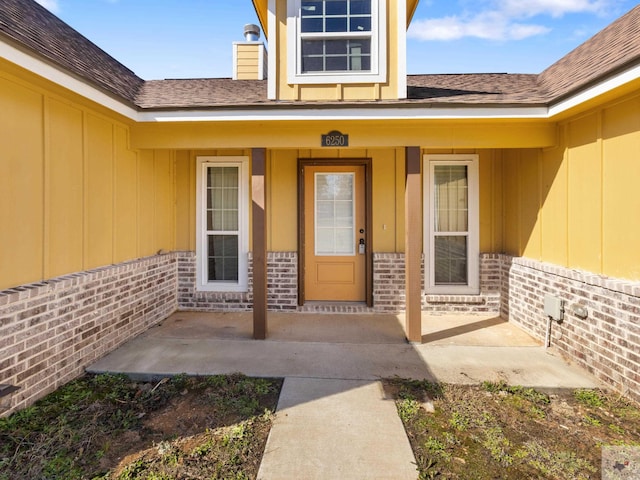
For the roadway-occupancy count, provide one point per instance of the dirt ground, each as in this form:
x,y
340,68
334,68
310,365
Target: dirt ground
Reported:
x,y
495,430
107,427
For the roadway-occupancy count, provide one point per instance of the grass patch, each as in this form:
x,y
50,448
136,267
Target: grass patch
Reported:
x,y
107,427
495,430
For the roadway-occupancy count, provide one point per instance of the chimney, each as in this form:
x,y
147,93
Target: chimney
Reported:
x,y
250,56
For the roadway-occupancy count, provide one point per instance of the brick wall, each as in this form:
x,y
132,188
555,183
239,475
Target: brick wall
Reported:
x,y
50,331
389,289
282,286
606,342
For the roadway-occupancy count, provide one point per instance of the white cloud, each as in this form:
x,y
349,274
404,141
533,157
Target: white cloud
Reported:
x,y
502,20
554,8
487,26
51,5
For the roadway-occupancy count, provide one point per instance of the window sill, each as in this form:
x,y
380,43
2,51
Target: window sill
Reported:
x,y
335,78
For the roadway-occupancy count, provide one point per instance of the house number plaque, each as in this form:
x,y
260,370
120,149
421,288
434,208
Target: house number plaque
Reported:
x,y
335,139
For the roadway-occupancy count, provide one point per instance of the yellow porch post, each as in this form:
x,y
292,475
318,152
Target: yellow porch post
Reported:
x,y
259,224
413,245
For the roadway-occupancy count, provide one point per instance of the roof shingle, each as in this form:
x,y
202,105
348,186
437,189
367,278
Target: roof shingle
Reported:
x,y
604,54
30,25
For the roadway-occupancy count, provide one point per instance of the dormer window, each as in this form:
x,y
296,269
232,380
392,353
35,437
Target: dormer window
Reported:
x,y
337,41
335,36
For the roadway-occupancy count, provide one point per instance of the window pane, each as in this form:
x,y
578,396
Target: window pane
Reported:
x,y
229,199
312,64
360,24
451,198
324,214
338,64
336,24
344,214
222,256
311,25
359,7
230,177
335,16
336,47
334,204
336,7
360,64
344,241
310,7
214,220
336,55
450,260
222,198
214,179
324,241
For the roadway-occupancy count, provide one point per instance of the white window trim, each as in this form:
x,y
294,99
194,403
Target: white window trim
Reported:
x,y
202,284
473,243
378,73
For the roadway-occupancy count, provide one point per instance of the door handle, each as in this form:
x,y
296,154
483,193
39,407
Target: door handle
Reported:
x,y
361,246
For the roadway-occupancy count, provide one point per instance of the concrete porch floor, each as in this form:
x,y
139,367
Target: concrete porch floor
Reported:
x,y
344,328
456,348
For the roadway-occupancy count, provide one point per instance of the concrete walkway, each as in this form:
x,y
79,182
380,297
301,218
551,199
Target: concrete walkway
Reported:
x,y
333,420
336,429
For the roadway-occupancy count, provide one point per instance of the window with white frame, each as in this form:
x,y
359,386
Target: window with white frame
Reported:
x,y
451,225
337,41
222,223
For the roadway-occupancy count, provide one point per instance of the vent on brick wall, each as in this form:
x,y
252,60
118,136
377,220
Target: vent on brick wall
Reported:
x,y
7,389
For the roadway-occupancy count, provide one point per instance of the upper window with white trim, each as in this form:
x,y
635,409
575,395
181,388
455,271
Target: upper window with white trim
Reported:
x,y
337,41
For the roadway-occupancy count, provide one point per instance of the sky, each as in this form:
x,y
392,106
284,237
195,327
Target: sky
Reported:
x,y
192,38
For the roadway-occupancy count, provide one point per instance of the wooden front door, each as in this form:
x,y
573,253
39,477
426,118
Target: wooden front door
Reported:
x,y
335,241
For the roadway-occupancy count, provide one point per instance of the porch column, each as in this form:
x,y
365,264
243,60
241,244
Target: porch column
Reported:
x,y
413,244
259,224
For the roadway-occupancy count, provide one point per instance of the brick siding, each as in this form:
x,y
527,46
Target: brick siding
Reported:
x,y
282,286
606,342
50,331
389,288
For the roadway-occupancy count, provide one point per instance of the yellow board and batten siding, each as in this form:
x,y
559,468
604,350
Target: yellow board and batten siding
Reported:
x,y
73,195
248,61
385,90
577,204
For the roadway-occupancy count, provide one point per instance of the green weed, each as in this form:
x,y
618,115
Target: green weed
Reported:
x,y
590,398
408,409
593,421
557,464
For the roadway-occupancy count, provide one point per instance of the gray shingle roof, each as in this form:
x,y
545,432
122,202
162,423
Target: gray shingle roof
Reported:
x,y
27,24
604,54
30,26
433,89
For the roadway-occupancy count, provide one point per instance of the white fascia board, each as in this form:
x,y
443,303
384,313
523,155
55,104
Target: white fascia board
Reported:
x,y
60,77
599,89
273,49
402,49
379,113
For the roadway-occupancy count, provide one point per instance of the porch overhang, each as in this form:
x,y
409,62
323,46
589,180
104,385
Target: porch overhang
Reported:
x,y
298,133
